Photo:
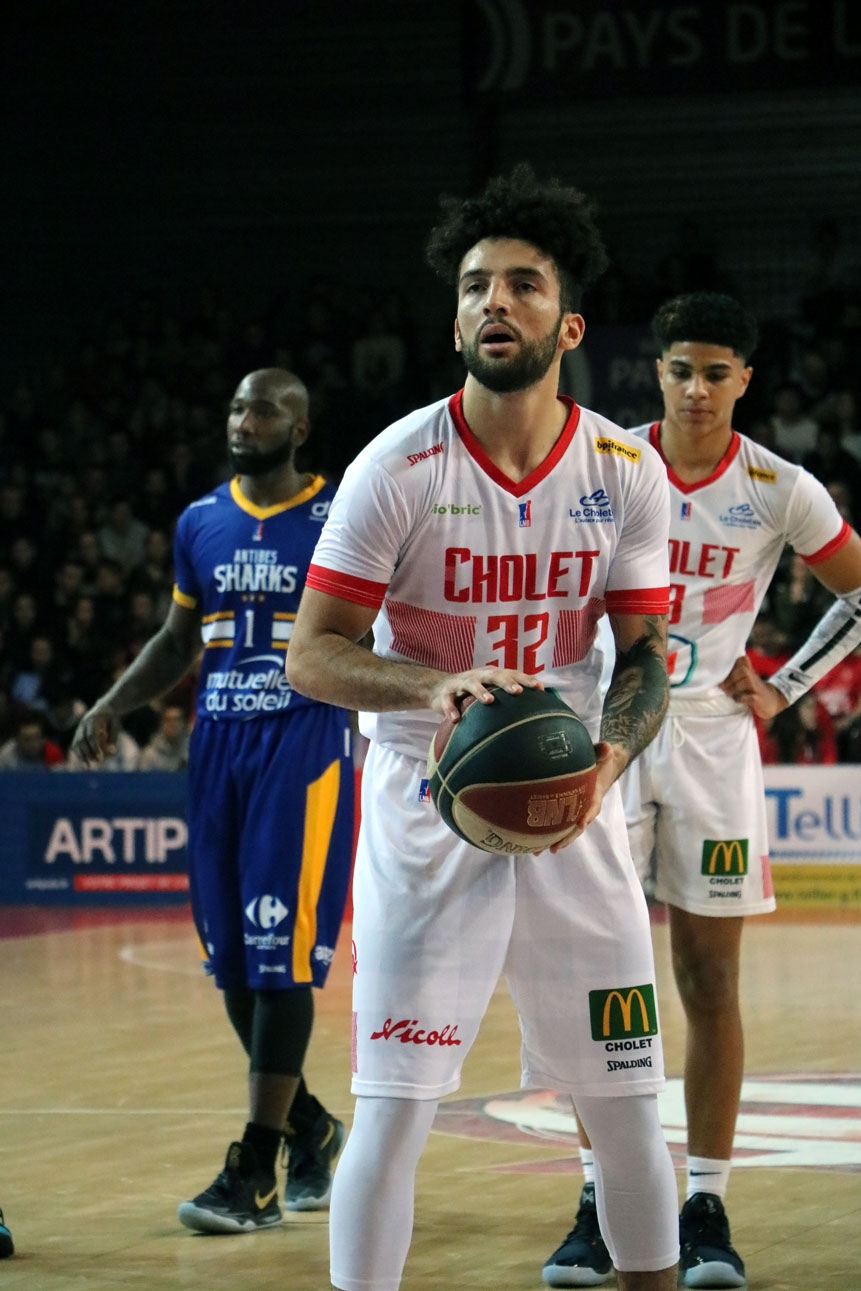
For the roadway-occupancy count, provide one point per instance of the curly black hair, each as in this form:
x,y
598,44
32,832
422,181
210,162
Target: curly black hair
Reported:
x,y
709,317
558,220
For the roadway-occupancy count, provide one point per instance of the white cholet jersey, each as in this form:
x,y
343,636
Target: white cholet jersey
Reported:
x,y
727,534
468,568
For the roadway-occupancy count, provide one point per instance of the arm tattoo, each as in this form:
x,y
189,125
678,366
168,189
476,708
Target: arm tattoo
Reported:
x,y
639,692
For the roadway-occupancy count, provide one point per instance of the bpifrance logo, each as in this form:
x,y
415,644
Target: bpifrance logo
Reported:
x,y
623,1012
724,856
628,451
761,475
525,514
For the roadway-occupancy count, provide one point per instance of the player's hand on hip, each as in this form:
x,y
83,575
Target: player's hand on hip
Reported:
x,y
96,735
745,686
447,695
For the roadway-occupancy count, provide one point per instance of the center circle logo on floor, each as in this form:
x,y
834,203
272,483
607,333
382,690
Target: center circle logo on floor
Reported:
x,y
804,1120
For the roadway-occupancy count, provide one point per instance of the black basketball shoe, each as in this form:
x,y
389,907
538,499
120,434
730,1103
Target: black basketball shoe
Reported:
x,y
310,1159
7,1246
582,1260
242,1198
708,1258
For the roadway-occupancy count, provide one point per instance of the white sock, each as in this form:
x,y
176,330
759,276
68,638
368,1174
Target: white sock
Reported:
x,y
587,1160
705,1174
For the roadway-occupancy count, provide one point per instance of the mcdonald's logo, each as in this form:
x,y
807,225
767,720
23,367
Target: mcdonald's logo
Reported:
x,y
624,1011
724,856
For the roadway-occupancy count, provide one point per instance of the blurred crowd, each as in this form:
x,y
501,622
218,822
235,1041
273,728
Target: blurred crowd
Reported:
x,y
101,455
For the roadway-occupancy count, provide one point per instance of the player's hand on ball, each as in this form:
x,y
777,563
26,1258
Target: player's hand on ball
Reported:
x,y
607,773
448,696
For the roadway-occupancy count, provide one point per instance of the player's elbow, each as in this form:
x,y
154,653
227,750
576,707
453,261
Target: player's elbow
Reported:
x,y
297,669
306,664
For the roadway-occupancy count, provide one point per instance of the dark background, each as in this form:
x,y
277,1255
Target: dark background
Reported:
x,y
253,145
194,190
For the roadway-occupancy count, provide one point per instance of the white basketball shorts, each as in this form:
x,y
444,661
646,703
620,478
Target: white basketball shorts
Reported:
x,y
437,922
695,806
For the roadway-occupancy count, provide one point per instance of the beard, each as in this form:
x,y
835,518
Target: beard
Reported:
x,y
526,368
259,463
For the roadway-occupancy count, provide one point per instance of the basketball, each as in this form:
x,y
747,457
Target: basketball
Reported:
x,y
514,776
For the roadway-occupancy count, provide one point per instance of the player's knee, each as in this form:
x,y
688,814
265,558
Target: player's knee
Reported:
x,y
706,983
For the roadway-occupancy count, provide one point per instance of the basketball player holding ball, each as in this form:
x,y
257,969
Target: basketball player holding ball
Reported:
x,y
481,539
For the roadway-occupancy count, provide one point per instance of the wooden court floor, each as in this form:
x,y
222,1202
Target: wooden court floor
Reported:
x,y
121,1086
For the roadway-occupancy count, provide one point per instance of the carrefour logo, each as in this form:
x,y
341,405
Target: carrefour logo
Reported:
x,y
266,912
724,856
623,1012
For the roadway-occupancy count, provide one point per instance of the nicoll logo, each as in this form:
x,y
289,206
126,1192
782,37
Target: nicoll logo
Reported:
x,y
724,856
266,912
408,1031
623,1011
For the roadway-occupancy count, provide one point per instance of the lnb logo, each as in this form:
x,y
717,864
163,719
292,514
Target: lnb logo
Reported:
x,y
266,912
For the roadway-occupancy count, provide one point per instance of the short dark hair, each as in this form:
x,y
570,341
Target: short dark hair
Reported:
x,y
557,219
709,317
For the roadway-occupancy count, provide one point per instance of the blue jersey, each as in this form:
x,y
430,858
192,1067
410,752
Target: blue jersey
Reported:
x,y
244,568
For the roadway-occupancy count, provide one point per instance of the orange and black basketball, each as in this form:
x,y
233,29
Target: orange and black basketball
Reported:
x,y
514,776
